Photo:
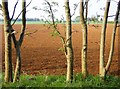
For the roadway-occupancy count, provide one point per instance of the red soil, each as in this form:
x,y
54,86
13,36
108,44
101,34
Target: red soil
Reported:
x,y
40,53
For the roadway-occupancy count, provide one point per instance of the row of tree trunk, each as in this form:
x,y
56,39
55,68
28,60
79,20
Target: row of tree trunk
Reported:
x,y
10,36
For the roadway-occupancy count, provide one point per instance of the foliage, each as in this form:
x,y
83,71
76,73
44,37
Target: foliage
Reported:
x,y
60,81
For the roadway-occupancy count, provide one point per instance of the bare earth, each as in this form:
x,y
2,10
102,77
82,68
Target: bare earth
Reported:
x,y
40,53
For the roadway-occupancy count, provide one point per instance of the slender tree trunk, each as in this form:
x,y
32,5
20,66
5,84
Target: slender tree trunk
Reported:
x,y
19,43
102,70
84,44
69,48
8,43
18,64
113,39
86,12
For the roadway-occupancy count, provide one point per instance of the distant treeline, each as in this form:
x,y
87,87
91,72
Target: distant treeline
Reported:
x,y
28,19
76,20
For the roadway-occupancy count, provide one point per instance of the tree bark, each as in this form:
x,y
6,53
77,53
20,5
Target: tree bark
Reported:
x,y
113,39
102,70
19,43
8,43
69,48
86,11
84,38
18,64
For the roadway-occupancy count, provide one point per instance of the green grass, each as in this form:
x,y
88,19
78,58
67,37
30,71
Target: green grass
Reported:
x,y
28,81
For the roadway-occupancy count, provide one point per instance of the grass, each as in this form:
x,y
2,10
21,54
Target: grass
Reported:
x,y
42,81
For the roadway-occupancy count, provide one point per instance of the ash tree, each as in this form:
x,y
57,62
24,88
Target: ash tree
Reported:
x,y
83,21
9,34
8,42
102,68
69,48
67,39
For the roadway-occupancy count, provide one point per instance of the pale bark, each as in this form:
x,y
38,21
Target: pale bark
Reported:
x,y
84,38
19,43
8,43
18,64
69,48
113,39
102,41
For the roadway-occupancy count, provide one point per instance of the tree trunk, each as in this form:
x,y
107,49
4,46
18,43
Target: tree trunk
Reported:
x,y
84,44
8,43
19,43
69,48
102,70
86,11
113,39
18,64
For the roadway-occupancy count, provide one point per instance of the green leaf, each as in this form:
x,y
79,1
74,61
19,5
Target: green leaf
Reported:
x,y
54,33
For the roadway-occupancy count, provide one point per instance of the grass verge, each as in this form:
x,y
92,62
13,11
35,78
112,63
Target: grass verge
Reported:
x,y
27,81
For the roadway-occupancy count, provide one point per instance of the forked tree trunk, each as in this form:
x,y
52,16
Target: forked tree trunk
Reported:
x,y
19,43
69,48
102,70
8,43
84,38
113,39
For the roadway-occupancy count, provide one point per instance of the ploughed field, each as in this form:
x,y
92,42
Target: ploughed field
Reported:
x,y
41,55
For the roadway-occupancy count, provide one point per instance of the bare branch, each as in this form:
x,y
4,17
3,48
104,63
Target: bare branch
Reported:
x,y
108,16
51,12
21,12
111,16
76,5
14,10
46,20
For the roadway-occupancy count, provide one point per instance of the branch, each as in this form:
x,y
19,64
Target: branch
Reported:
x,y
76,5
23,22
108,16
54,27
21,12
14,10
51,11
86,3
31,33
